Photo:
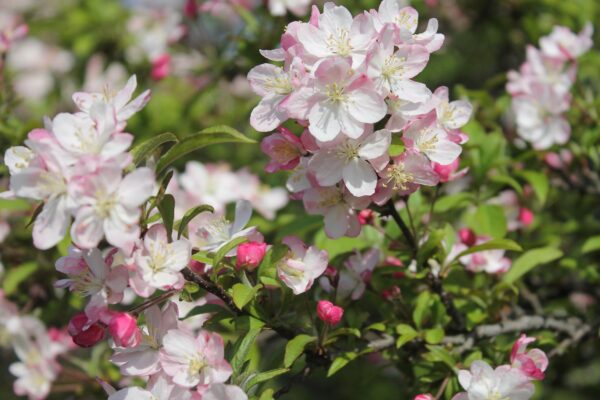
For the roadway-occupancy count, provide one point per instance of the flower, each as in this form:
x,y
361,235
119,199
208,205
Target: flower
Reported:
x,y
284,148
158,263
353,278
490,261
483,382
220,391
108,204
467,236
279,7
353,161
83,333
425,137
159,387
301,266
424,396
329,313
532,363
124,330
250,255
449,172
194,361
566,45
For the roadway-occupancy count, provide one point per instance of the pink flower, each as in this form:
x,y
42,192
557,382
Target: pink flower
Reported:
x,y
161,67
451,115
483,382
302,265
329,313
566,45
284,148
342,101
490,261
532,363
359,268
159,387
467,236
366,217
426,137
525,216
124,330
193,361
353,161
83,334
448,173
425,396
250,255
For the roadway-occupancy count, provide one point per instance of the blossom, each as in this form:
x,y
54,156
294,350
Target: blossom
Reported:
x,y
158,263
250,255
490,261
120,101
144,358
108,205
483,382
449,172
279,7
301,266
336,33
355,161
424,136
329,312
451,115
342,101
83,333
566,45
467,236
284,148
424,396
159,387
124,330
532,363
357,272
193,361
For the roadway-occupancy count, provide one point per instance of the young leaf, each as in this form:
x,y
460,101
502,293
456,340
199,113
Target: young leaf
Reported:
x,y
407,333
147,147
219,255
243,294
340,362
265,376
590,245
241,353
434,336
206,137
190,215
490,220
16,275
530,260
167,211
295,347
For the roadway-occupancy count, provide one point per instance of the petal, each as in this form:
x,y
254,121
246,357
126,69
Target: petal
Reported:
x,y
375,145
137,187
366,106
51,224
360,178
326,167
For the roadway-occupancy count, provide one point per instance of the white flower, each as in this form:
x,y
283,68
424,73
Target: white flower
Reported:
x,y
484,383
299,269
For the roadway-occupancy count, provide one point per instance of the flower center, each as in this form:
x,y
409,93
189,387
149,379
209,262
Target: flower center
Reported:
x,y
86,284
393,66
335,93
340,43
397,175
427,144
280,85
347,151
105,203
495,395
405,20
196,365
330,198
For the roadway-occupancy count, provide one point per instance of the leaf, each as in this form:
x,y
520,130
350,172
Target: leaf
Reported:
x,y
166,207
406,334
206,309
539,183
295,347
530,260
265,376
243,294
147,147
340,362
434,336
592,244
422,308
241,353
507,180
219,255
439,353
494,244
377,326
16,275
206,137
267,394
452,201
190,215
489,220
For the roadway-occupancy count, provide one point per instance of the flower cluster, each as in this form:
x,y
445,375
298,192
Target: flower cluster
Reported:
x,y
75,166
541,89
36,348
341,76
512,381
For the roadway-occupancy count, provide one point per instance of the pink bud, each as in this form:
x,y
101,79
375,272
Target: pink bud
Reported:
x,y
425,396
82,336
250,255
190,9
197,267
330,272
161,67
393,261
365,217
390,293
553,160
467,236
445,172
124,330
329,313
525,216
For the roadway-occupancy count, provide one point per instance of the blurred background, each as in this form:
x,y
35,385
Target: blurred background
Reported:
x,y
195,62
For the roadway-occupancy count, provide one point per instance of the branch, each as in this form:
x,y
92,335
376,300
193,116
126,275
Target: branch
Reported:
x,y
390,210
213,288
435,283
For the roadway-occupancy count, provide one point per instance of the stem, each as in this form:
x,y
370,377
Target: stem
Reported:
x,y
436,285
156,300
390,209
440,391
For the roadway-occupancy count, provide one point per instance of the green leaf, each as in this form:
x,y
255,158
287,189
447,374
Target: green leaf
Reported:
x,y
241,353
14,276
141,151
295,347
190,215
539,183
530,260
219,255
592,244
439,353
452,202
206,137
267,394
489,220
434,336
422,308
406,334
507,180
166,207
265,376
206,309
494,244
377,326
243,294
340,362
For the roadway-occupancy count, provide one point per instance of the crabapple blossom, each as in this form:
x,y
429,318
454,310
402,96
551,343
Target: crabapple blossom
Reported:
x,y
143,359
451,115
284,148
329,312
449,172
280,7
84,332
566,45
467,236
532,363
483,382
124,330
357,272
158,263
425,137
425,396
109,205
353,161
193,361
490,261
302,265
249,255
159,387
220,391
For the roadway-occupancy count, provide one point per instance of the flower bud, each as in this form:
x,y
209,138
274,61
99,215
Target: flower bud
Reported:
x,y
365,217
424,396
525,216
390,293
250,255
197,266
329,313
467,236
124,330
190,9
82,336
161,67
446,172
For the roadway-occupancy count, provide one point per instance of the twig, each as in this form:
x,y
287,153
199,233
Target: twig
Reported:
x,y
435,283
213,288
390,209
440,391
